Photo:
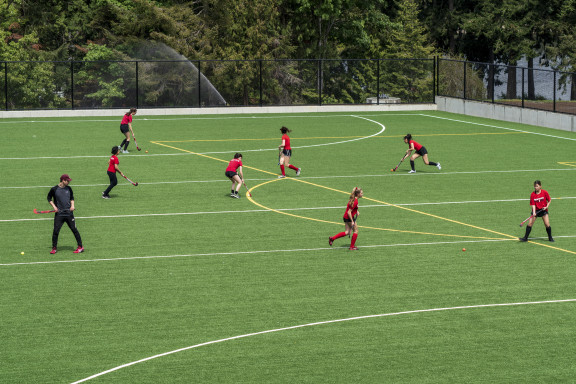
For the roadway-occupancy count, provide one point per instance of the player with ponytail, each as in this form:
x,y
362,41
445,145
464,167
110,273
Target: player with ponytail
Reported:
x,y
420,151
350,217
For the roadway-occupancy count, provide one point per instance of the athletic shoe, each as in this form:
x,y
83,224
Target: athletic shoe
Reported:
x,y
439,166
298,171
79,250
412,171
119,147
551,240
281,176
353,248
523,239
330,241
105,196
53,251
236,196
125,151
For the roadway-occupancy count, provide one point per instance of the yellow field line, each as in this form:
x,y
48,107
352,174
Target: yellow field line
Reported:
x,y
369,199
568,163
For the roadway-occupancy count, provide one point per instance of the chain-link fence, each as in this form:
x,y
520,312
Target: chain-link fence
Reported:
x,y
525,87
213,83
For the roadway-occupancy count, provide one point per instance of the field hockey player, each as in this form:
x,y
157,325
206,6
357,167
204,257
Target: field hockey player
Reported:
x,y
126,128
234,168
350,217
285,153
420,150
539,202
112,169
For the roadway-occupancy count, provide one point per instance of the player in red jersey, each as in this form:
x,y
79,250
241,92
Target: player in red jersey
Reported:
x,y
539,201
420,151
112,169
350,216
234,168
285,152
126,128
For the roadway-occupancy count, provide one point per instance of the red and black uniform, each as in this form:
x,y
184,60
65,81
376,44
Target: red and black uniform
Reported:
x,y
353,210
63,197
421,150
124,127
539,201
287,151
111,174
232,169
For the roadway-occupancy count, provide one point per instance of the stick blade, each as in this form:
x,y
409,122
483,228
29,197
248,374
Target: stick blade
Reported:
x,y
36,211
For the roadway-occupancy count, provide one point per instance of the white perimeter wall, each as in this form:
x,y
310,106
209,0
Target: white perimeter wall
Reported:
x,y
507,113
220,111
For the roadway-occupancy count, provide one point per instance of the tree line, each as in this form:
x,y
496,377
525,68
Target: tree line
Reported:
x,y
99,30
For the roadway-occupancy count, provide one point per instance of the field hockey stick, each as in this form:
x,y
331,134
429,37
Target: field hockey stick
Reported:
x,y
135,142
247,190
278,157
133,183
404,158
531,216
38,212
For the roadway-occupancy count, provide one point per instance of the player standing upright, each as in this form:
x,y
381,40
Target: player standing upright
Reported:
x,y
126,128
420,151
234,168
61,198
285,152
539,202
112,169
350,216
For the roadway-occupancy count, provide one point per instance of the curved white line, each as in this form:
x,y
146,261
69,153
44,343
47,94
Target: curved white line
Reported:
x,y
310,146
317,323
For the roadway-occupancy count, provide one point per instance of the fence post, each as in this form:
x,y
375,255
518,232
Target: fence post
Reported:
x,y
493,81
378,82
260,82
522,87
6,84
554,85
72,83
434,85
320,82
199,87
137,88
464,80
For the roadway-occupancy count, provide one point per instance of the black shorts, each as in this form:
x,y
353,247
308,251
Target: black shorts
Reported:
x,y
541,213
287,152
124,128
347,220
422,151
231,174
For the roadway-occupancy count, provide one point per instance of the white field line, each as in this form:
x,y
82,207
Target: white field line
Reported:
x,y
496,126
572,169
215,254
417,311
282,209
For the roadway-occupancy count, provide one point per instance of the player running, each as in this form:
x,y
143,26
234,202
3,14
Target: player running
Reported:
x,y
126,128
539,201
61,198
285,152
234,168
350,217
112,169
420,151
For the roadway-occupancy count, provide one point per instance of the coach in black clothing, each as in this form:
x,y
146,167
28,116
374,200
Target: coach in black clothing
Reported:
x,y
61,198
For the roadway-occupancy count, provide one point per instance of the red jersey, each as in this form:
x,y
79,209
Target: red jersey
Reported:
x,y
540,200
353,209
233,165
127,119
111,164
286,141
417,146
